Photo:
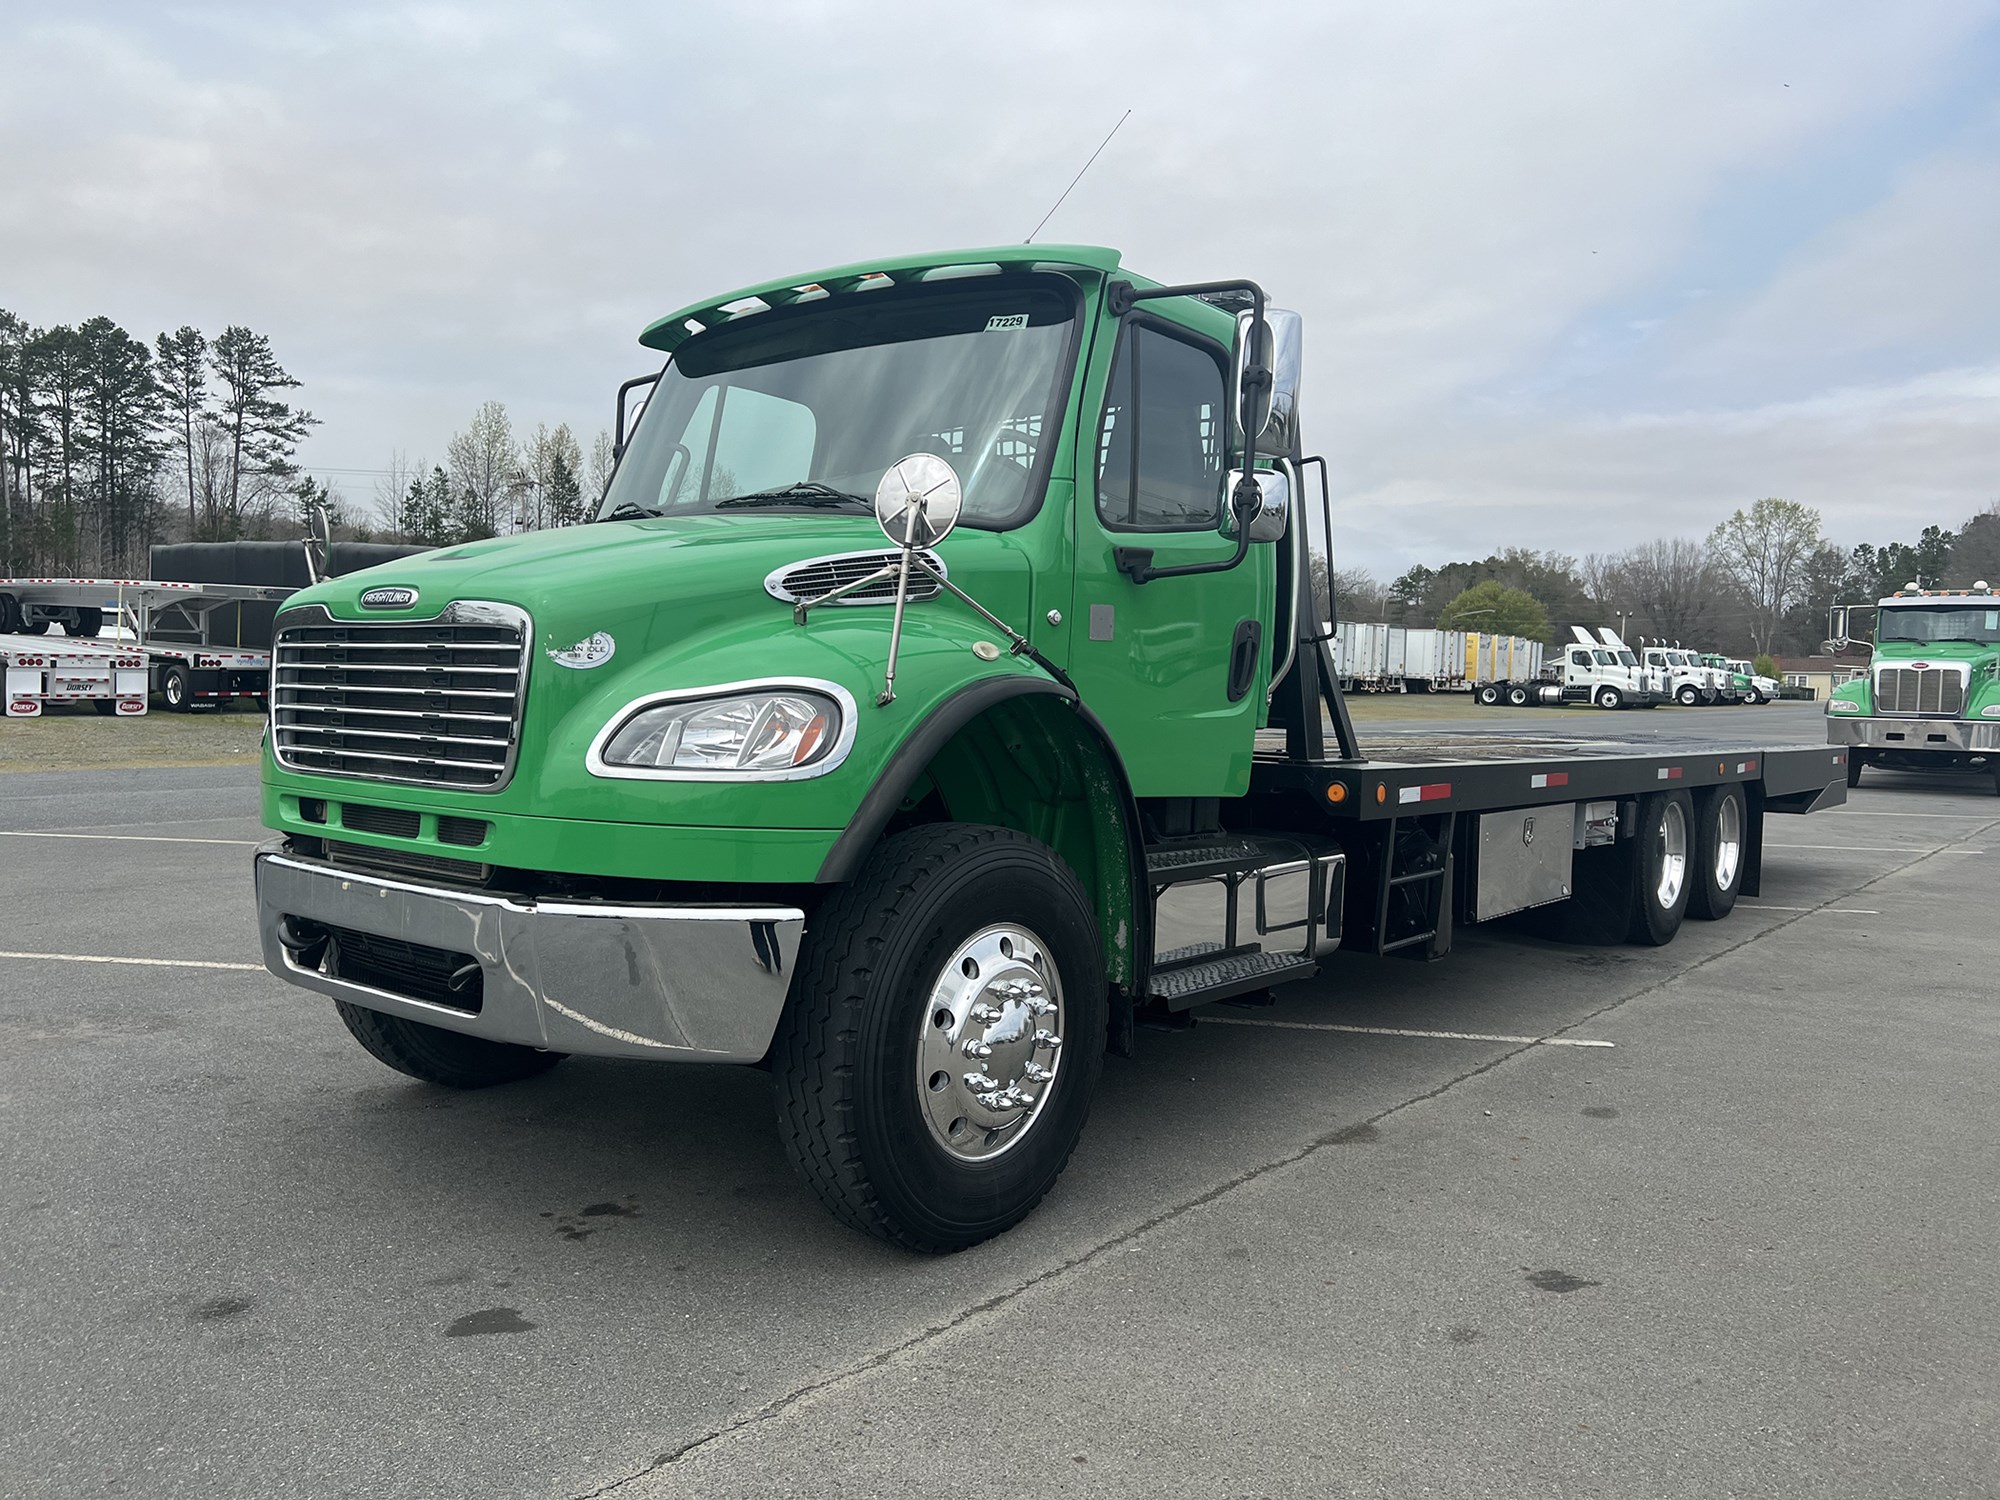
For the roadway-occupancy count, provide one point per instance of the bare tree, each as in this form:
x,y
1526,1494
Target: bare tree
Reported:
x,y
1358,594
551,460
1670,585
1764,550
602,462
482,461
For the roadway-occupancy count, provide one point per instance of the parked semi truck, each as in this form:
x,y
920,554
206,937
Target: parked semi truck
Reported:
x,y
1931,698
1686,681
1598,670
943,688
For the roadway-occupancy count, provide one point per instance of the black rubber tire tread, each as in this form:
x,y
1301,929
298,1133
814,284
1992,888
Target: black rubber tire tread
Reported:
x,y
37,627
886,920
88,622
1688,695
1517,697
1707,900
1488,695
177,672
1854,764
1609,697
1652,925
1599,910
439,1056
10,614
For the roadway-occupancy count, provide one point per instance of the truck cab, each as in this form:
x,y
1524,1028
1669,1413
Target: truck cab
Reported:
x,y
1931,698
1754,686
1604,672
1685,681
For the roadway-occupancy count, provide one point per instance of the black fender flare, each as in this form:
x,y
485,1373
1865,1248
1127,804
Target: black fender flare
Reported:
x,y
915,754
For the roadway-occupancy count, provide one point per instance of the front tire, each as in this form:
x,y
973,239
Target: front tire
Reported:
x,y
1721,823
916,1086
1854,768
1610,698
443,1057
1688,696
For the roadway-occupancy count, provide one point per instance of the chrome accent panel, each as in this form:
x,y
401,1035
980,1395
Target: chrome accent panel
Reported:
x,y
431,702
1914,734
813,577
843,741
1931,690
677,983
1523,859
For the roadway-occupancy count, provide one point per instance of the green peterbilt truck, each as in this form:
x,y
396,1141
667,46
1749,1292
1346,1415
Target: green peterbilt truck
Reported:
x,y
942,690
1930,700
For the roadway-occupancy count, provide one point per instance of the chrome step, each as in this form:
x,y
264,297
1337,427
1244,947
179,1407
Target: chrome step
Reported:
x,y
1189,985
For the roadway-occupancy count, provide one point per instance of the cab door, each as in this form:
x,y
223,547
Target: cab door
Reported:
x,y
1175,668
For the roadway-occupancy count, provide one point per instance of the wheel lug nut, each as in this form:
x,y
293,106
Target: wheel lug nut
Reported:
x,y
979,1082
1034,1072
975,1048
1048,1039
1040,1007
985,1015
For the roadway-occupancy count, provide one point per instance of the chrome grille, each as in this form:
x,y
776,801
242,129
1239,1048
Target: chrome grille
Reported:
x,y
1929,690
436,702
815,576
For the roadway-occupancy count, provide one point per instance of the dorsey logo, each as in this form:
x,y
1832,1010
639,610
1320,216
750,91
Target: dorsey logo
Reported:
x,y
388,598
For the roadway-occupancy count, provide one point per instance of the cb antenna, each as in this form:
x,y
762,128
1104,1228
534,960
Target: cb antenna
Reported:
x,y
1076,179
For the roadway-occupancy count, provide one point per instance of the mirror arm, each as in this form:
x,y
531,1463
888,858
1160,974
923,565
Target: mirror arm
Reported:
x,y
618,425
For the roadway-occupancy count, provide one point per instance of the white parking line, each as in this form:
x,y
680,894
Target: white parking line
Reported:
x,y
128,838
1446,1036
1862,812
1830,911
150,963
1875,848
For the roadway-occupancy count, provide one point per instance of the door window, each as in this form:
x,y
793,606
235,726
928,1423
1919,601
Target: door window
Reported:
x,y
1162,445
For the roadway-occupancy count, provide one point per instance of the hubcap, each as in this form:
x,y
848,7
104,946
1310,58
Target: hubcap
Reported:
x,y
1673,856
991,1043
1728,843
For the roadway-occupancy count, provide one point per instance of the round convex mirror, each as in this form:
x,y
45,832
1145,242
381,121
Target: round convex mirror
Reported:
x,y
918,500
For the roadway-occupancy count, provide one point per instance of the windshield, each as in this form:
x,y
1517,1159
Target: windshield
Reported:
x,y
1628,658
1977,623
803,408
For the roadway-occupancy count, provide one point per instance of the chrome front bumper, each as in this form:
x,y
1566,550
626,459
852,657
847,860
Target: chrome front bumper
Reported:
x,y
1879,733
675,983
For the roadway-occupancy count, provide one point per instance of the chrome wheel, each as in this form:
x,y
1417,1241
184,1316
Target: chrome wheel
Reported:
x,y
991,1043
1728,842
1673,856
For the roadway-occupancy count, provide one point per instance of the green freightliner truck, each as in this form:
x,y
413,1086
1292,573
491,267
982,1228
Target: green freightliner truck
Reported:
x,y
1931,698
922,822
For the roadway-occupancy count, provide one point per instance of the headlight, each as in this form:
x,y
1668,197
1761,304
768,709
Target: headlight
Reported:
x,y
1842,706
772,733
1991,711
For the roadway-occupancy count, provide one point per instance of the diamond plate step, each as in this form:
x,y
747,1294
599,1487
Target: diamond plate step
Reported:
x,y
1200,983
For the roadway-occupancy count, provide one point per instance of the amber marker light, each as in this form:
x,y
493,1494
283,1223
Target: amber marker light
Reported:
x,y
1381,791
1337,793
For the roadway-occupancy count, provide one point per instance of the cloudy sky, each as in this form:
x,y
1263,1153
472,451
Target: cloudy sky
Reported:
x,y
1575,275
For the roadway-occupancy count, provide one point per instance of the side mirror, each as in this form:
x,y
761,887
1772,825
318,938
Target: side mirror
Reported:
x,y
1836,626
918,501
1274,504
1280,353
1253,381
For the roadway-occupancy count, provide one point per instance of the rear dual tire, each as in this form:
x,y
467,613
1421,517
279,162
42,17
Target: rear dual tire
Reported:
x,y
1636,890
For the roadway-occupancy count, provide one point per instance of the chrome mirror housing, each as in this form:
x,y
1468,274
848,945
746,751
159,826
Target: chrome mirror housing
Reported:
x,y
1274,505
1276,434
918,501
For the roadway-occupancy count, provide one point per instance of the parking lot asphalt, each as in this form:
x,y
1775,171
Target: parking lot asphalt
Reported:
x,y
1457,1246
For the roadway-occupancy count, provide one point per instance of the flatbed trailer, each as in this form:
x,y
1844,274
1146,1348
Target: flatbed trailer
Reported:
x,y
171,627
108,675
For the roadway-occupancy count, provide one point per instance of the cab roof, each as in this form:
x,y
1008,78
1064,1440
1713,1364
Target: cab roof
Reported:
x,y
1092,262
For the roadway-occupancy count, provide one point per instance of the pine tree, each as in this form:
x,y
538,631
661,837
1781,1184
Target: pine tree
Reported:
x,y
263,432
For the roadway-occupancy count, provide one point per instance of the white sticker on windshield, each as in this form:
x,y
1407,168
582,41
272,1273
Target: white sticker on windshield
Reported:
x,y
1000,321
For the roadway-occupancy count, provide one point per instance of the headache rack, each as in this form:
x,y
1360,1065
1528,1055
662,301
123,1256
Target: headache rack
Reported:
x,y
432,702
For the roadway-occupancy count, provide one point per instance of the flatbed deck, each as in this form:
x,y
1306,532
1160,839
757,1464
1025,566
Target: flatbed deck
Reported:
x,y
1437,767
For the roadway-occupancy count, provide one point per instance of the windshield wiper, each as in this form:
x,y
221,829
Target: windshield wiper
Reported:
x,y
808,492
630,510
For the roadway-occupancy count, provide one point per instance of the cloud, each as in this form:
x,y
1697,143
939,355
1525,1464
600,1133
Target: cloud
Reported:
x,y
1560,268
